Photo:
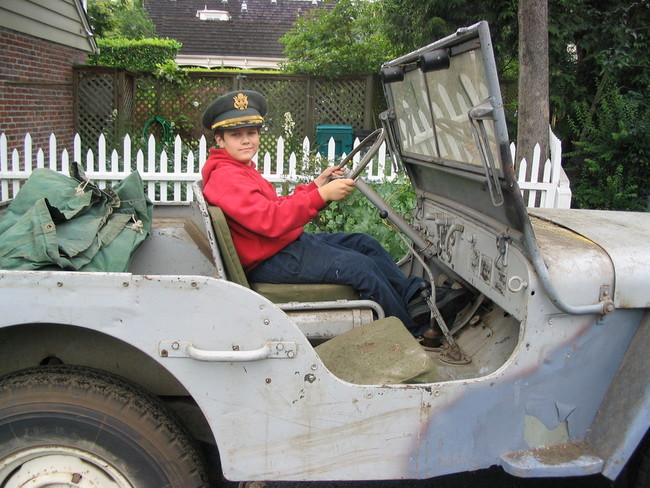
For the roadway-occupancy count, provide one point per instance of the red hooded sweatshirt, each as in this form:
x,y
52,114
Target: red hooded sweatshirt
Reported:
x,y
261,222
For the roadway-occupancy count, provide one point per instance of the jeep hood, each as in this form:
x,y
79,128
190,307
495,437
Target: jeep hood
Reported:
x,y
622,236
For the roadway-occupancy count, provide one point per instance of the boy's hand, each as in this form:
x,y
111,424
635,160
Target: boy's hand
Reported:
x,y
336,190
328,174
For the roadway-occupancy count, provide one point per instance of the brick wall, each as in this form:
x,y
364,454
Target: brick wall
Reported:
x,y
36,89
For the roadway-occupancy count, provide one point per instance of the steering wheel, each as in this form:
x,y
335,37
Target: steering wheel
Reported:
x,y
380,134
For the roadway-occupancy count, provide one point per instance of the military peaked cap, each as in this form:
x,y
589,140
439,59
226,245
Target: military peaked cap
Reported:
x,y
243,108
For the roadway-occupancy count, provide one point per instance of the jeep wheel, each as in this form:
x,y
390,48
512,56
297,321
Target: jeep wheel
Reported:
x,y
69,426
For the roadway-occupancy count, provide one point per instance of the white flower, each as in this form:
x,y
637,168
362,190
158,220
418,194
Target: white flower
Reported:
x,y
288,124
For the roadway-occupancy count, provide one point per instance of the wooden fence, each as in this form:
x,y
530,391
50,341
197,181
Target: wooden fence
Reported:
x,y
113,102
168,174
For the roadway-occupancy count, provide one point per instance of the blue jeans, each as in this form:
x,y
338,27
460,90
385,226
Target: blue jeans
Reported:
x,y
357,260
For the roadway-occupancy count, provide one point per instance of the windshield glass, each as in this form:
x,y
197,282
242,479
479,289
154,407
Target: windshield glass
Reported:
x,y
414,116
447,127
432,110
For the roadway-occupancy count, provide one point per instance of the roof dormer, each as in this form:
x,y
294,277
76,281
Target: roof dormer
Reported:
x,y
207,14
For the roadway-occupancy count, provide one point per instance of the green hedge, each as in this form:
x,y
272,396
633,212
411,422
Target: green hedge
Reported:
x,y
135,55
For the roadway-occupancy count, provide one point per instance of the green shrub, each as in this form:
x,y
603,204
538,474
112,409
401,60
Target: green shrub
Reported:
x,y
119,19
613,169
135,55
357,214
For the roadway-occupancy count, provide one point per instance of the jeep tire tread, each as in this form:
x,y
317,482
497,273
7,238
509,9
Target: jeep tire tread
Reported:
x,y
76,426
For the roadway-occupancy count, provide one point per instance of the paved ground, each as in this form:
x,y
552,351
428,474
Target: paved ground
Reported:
x,y
486,478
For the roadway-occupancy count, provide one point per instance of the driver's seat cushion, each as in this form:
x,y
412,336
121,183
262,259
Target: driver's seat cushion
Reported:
x,y
277,293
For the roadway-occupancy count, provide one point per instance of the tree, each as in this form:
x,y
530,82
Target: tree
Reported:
x,y
601,99
594,45
533,116
598,66
343,38
120,19
410,24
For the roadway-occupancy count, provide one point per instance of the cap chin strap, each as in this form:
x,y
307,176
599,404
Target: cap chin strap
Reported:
x,y
249,119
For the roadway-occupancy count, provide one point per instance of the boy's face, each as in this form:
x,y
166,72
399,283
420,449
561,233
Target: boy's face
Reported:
x,y
241,144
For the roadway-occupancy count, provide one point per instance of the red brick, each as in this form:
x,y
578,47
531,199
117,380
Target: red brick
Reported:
x,y
40,109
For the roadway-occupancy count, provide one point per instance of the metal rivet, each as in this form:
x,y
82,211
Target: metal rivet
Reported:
x,y
267,380
164,353
175,346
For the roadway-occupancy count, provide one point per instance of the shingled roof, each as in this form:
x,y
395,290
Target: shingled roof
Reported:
x,y
249,39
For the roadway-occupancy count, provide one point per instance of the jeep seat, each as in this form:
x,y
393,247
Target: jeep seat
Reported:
x,y
277,293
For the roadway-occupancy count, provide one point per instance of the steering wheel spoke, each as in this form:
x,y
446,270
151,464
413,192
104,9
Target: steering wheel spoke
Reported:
x,y
378,136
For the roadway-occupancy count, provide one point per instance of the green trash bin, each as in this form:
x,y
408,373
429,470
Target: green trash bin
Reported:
x,y
343,137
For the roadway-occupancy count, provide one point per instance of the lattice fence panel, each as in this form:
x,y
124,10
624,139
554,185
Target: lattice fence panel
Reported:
x,y
166,108
179,104
127,104
104,105
283,96
339,102
96,102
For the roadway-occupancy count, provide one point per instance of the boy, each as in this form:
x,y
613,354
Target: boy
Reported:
x,y
267,229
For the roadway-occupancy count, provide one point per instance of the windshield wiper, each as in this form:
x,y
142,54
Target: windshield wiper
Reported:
x,y
477,115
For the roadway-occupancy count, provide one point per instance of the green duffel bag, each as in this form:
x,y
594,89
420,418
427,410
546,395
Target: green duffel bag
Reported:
x,y
61,222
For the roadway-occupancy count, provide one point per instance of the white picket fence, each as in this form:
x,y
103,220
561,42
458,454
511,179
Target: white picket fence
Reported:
x,y
553,191
165,185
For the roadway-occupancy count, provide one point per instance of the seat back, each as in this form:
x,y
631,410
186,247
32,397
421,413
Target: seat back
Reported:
x,y
320,310
277,293
234,269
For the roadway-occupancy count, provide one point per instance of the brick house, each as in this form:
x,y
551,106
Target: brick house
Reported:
x,y
40,41
228,33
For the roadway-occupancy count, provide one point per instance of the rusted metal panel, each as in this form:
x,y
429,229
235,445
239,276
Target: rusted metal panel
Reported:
x,y
624,236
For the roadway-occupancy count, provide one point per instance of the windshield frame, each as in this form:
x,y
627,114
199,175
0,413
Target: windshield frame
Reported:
x,y
468,41
489,187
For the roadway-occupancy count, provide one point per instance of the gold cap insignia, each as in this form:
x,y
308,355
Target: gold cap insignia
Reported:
x,y
241,101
